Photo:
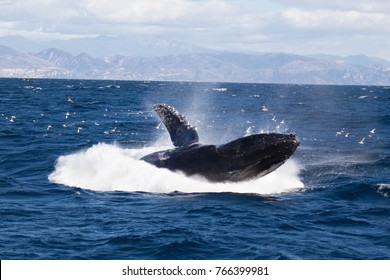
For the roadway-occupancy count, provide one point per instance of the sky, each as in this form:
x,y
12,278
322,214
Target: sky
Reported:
x,y
339,27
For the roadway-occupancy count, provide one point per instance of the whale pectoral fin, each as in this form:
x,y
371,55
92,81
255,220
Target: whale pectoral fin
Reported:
x,y
181,132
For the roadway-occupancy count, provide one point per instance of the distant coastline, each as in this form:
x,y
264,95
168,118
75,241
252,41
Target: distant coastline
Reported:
x,y
279,68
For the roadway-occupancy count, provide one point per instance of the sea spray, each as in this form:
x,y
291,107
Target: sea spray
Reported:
x,y
109,167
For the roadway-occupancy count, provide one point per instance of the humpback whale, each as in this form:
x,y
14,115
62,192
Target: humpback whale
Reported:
x,y
242,159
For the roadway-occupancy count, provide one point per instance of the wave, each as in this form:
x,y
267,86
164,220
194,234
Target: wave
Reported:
x,y
110,167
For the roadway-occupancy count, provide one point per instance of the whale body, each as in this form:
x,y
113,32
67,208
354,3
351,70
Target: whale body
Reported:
x,y
242,159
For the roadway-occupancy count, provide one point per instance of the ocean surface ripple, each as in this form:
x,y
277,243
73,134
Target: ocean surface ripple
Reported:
x,y
72,185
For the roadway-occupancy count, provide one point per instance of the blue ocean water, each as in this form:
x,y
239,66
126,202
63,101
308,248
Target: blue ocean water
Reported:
x,y
72,185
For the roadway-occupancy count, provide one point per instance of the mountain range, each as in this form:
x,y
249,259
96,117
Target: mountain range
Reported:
x,y
153,59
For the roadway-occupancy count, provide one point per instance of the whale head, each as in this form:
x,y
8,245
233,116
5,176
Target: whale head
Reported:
x,y
256,155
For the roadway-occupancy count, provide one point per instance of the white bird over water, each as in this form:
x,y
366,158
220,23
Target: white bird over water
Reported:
x,y
70,100
372,131
248,131
340,132
362,141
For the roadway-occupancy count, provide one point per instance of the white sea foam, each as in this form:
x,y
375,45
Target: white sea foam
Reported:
x,y
109,167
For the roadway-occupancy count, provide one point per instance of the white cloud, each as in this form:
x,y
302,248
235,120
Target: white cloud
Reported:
x,y
136,11
366,6
244,25
338,21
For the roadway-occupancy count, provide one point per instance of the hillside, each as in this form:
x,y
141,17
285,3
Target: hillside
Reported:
x,y
199,67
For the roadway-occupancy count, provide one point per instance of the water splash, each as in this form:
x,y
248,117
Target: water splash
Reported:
x,y
109,167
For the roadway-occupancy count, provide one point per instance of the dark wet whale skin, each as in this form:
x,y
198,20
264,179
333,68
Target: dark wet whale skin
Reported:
x,y
239,160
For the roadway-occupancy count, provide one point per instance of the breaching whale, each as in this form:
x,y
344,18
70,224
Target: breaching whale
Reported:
x,y
242,159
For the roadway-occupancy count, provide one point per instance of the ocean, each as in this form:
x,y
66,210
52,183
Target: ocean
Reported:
x,y
72,185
